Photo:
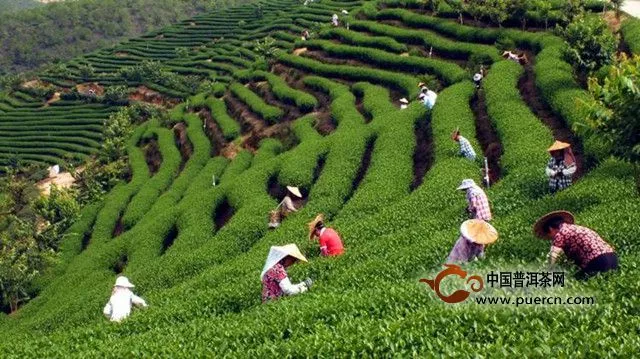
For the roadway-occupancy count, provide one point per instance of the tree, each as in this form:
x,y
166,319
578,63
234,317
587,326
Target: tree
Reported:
x,y
86,71
614,108
589,44
182,52
266,48
457,6
617,6
21,260
258,12
517,9
476,9
497,11
117,130
544,9
572,9
116,95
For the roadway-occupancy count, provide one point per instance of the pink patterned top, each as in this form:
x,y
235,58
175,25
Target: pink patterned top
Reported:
x,y
580,244
271,282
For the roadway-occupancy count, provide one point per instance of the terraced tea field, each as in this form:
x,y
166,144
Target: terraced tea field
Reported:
x,y
324,116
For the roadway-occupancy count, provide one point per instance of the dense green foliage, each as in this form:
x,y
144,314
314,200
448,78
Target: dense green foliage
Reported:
x,y
631,33
66,29
193,235
589,43
7,6
614,111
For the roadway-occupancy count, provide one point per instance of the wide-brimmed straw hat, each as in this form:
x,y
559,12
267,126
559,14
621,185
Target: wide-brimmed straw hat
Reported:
x,y
277,253
466,184
404,100
123,281
538,228
558,145
312,225
478,231
295,191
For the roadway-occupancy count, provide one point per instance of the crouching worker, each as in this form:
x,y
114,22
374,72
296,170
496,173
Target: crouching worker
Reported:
x,y
475,234
582,245
275,281
122,298
330,242
285,207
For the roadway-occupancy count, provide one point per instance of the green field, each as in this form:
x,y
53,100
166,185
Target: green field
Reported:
x,y
324,116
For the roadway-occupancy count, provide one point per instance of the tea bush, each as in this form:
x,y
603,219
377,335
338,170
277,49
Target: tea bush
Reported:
x,y
269,113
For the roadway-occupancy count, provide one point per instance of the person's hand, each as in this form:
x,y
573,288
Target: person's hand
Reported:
x,y
308,282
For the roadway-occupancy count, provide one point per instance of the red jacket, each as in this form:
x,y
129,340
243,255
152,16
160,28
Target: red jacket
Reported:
x,y
330,243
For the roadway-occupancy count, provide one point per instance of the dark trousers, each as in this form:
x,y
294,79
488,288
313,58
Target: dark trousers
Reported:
x,y
602,263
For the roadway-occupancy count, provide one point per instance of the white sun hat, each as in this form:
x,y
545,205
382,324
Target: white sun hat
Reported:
x,y
345,12
404,100
123,281
477,77
295,191
466,184
277,253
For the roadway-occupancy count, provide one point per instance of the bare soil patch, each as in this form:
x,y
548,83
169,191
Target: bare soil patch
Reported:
x,y
91,88
183,143
423,153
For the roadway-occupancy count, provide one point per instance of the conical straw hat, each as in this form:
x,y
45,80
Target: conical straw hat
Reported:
x,y
558,145
404,100
478,231
277,253
312,225
295,191
538,228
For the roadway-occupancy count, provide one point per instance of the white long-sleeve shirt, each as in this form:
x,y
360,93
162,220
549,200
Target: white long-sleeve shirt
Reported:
x,y
119,305
290,289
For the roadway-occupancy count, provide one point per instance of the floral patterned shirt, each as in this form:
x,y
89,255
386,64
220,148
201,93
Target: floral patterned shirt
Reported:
x,y
580,244
271,282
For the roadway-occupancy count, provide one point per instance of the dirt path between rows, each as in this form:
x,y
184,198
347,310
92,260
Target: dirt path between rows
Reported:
x,y
487,136
561,131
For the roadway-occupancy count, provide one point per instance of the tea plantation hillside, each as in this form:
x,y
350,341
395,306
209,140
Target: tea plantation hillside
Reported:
x,y
322,114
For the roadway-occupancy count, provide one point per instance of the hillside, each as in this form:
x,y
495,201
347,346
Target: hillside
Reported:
x,y
321,114
7,6
61,30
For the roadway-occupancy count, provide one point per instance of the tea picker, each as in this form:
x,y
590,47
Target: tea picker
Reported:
x,y
329,239
477,201
466,150
427,96
285,207
475,234
122,299
404,103
274,277
580,244
561,166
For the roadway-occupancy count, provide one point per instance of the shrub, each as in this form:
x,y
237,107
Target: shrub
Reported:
x,y
269,113
401,82
631,33
589,43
